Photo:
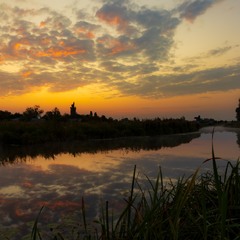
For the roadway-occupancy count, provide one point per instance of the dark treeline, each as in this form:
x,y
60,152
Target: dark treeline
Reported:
x,y
33,127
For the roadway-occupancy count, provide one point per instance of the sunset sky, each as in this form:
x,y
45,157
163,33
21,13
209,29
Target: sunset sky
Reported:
x,y
121,58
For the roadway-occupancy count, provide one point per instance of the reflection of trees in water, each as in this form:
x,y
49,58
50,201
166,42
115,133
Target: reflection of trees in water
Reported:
x,y
49,151
238,139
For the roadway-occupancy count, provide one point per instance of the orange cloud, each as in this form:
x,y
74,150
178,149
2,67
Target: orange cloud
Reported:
x,y
101,40
85,32
19,212
61,43
121,47
17,46
26,74
23,49
65,204
42,24
116,46
60,204
112,19
90,35
15,50
45,41
21,44
27,184
58,53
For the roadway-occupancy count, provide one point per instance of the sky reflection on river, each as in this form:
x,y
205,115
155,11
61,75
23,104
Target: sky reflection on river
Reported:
x,y
59,183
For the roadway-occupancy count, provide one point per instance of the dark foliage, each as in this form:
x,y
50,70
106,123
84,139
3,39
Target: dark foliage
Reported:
x,y
33,127
53,128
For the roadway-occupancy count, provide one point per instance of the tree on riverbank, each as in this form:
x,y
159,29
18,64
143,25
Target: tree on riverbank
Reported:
x,y
32,113
54,130
238,111
32,126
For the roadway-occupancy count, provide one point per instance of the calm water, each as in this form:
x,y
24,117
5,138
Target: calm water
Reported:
x,y
58,176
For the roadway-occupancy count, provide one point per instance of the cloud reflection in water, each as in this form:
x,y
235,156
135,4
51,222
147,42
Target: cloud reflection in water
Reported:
x,y
59,183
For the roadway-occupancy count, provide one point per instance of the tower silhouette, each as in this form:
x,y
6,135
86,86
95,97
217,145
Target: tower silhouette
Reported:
x,y
73,110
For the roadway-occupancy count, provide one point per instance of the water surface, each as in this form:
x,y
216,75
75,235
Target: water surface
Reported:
x,y
58,176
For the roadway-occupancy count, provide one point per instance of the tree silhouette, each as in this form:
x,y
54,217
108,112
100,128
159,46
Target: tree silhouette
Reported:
x,y
5,115
53,115
32,113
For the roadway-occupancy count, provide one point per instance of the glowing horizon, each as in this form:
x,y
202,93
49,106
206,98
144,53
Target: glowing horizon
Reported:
x,y
124,58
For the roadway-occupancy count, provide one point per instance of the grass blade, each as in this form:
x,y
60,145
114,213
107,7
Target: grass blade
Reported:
x,y
35,230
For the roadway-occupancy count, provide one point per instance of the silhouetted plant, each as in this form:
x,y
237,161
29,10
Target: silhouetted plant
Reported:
x,y
53,115
32,113
5,115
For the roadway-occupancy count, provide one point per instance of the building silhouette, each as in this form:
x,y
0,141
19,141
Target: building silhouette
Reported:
x,y
73,110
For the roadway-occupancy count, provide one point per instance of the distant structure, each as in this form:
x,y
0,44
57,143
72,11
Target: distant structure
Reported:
x,y
238,111
73,110
205,121
198,118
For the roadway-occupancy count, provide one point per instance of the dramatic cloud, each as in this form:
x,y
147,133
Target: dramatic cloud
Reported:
x,y
116,15
119,44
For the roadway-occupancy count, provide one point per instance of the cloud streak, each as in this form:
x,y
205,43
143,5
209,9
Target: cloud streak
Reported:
x,y
191,9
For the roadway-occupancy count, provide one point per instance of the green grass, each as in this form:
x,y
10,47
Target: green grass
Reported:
x,y
202,206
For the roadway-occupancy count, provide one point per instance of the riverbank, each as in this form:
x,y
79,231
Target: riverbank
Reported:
x,y
42,131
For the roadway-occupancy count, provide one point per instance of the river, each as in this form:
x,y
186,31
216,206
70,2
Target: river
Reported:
x,y
57,176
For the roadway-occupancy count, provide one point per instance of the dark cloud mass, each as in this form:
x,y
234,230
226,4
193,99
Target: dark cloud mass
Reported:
x,y
120,45
191,9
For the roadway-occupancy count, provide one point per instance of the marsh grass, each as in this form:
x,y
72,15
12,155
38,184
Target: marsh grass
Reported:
x,y
202,206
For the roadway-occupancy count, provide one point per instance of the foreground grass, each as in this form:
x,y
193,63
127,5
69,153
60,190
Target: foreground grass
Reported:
x,y
205,206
